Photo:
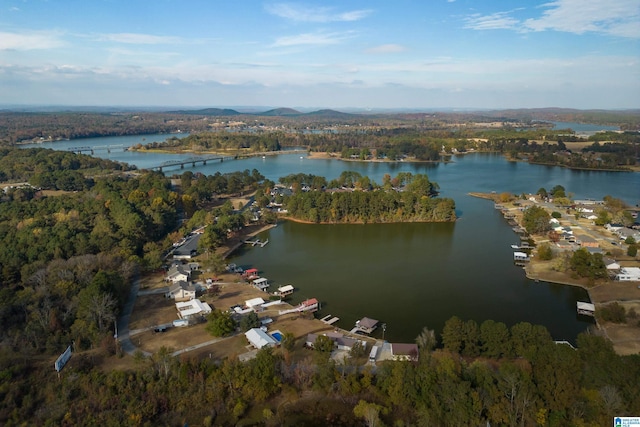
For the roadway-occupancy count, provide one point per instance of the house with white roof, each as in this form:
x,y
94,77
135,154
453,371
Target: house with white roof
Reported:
x,y
254,303
259,338
192,308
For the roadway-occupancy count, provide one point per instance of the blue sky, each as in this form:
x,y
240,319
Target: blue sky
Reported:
x,y
325,54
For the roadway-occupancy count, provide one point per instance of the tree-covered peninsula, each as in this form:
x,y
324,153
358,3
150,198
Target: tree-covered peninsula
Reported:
x,y
353,198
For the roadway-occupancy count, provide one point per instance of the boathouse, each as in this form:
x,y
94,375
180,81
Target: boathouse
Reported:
x,y
284,291
585,308
261,284
251,273
366,325
309,305
520,256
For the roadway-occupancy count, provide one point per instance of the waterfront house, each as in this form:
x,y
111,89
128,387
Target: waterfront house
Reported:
x,y
181,291
405,352
254,303
192,308
339,341
177,273
628,274
259,338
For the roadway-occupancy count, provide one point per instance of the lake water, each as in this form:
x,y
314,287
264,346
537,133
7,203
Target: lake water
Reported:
x,y
587,128
414,275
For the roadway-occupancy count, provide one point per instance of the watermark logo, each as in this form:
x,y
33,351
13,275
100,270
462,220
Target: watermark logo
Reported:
x,y
626,422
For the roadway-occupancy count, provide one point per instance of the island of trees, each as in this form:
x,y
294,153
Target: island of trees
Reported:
x,y
353,198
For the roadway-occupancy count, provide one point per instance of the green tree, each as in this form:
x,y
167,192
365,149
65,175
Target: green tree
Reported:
x,y
370,412
220,323
558,191
544,252
495,339
323,344
453,334
536,220
426,340
249,321
632,250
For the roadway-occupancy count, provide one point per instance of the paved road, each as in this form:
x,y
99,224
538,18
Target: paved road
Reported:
x,y
123,322
156,291
202,344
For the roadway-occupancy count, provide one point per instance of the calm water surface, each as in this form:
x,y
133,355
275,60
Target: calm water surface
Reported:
x,y
414,275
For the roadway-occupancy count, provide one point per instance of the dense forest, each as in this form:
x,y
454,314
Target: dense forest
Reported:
x,y
356,198
479,375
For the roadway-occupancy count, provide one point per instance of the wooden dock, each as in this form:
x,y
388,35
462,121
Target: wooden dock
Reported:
x,y
329,320
257,242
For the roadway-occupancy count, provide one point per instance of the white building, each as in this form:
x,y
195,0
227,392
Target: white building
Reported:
x,y
628,274
194,307
261,284
177,273
181,291
258,338
254,303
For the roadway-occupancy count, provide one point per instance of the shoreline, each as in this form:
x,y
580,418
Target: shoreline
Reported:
x,y
229,249
626,338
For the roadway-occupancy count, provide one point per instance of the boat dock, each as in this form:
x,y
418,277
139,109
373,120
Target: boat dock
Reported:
x,y
257,242
365,326
585,308
329,320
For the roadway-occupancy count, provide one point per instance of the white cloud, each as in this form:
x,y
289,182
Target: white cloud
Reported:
x,y
387,48
313,39
617,18
31,41
495,21
299,13
135,38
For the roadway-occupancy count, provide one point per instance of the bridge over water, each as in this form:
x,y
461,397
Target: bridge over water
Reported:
x,y
192,161
92,150
217,157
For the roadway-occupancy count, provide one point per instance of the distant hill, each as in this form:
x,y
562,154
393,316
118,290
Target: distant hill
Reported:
x,y
333,114
280,112
209,112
